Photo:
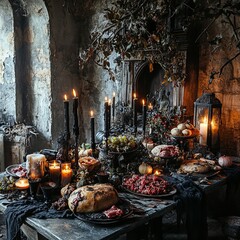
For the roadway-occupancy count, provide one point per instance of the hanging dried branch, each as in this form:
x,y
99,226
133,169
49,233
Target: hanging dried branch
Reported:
x,y
140,28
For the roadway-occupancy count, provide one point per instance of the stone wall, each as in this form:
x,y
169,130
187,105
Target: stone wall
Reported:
x,y
226,87
7,70
55,72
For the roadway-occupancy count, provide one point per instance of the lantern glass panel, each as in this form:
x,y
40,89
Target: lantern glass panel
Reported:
x,y
215,124
202,116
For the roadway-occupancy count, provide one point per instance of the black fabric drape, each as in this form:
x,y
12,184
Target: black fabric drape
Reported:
x,y
191,200
17,212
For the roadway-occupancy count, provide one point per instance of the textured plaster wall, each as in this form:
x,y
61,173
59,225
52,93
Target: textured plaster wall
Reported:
x,y
7,71
226,88
40,69
69,29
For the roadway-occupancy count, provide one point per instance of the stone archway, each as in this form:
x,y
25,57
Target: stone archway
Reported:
x,y
33,68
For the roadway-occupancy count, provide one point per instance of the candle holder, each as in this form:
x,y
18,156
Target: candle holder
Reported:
x,y
48,190
66,174
22,185
207,118
55,171
103,177
34,184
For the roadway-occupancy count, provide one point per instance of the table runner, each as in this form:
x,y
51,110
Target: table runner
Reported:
x,y
17,212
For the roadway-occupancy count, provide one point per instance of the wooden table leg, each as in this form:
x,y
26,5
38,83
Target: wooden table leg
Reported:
x,y
156,228
139,233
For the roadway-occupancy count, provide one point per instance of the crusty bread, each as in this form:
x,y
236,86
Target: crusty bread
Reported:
x,y
89,163
92,198
194,166
67,190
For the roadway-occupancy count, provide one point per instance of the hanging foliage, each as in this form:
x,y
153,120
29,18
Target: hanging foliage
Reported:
x,y
144,29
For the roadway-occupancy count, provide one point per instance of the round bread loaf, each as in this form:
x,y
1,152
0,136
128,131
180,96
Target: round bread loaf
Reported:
x,y
194,166
92,198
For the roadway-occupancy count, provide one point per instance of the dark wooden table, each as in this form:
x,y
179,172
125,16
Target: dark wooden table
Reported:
x,y
152,211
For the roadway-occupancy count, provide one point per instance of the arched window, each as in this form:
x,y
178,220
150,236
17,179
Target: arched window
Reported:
x,y
25,63
7,72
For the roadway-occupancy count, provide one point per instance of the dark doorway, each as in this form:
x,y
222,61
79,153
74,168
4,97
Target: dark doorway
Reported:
x,y
147,83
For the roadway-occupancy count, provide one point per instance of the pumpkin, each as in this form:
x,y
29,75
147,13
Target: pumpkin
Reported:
x,y
145,168
225,161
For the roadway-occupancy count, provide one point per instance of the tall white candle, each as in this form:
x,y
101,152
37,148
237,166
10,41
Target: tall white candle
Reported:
x,y
203,133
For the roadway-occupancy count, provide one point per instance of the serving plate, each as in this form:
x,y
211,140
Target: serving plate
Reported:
x,y
101,219
9,169
172,192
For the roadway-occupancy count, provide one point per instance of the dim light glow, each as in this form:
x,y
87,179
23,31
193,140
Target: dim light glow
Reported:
x,y
204,120
157,172
74,93
106,99
114,94
91,113
143,102
150,106
65,97
109,101
134,95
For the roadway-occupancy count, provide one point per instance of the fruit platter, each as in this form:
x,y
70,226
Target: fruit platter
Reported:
x,y
184,131
120,144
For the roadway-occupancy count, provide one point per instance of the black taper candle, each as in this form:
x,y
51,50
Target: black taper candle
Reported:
x,y
106,117
75,115
113,106
75,125
66,117
93,144
135,113
109,115
144,111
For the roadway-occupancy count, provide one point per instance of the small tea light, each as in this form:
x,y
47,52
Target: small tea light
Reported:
x,y
66,174
22,184
150,107
157,172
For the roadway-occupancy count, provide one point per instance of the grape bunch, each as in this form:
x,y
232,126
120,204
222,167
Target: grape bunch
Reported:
x,y
7,183
121,143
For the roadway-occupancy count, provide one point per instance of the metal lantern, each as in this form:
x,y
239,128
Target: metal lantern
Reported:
x,y
207,118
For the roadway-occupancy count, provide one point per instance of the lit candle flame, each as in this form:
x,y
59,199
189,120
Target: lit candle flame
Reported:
x,y
157,172
205,120
109,101
113,94
143,102
150,106
65,97
91,113
134,95
74,93
106,99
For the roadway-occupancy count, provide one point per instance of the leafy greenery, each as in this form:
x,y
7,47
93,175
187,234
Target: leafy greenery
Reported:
x,y
143,29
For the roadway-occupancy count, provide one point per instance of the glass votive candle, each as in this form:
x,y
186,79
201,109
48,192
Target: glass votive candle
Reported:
x,y
22,184
54,171
66,174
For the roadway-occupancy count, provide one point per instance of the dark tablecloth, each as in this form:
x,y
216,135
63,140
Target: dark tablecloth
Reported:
x,y
17,212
